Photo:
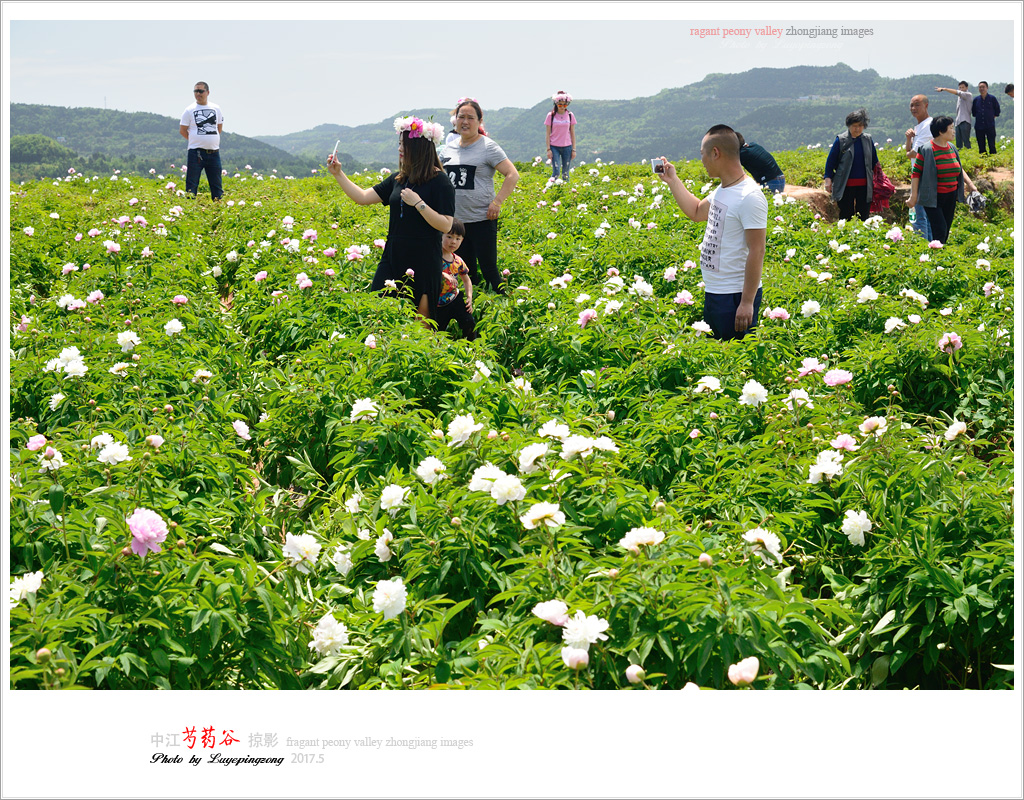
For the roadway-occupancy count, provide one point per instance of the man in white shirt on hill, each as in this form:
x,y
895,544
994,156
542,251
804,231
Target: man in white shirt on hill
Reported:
x,y
201,124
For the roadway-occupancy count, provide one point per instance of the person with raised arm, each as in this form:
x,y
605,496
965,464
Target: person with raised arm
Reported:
x,y
732,251
421,202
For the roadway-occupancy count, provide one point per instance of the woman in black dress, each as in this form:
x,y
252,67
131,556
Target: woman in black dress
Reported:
x,y
422,203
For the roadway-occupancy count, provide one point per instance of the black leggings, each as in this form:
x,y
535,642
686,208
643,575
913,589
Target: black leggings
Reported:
x,y
940,217
480,246
456,310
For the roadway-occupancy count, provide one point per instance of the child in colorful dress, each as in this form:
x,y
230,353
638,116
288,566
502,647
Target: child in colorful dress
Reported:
x,y
452,305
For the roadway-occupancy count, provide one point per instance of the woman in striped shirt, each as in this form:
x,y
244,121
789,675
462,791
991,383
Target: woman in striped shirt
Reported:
x,y
937,180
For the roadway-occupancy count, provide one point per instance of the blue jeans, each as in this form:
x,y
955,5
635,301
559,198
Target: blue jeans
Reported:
x,y
563,155
720,314
776,184
921,224
200,161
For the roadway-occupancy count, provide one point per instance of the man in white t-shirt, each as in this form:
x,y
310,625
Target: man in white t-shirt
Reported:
x,y
918,135
732,252
201,124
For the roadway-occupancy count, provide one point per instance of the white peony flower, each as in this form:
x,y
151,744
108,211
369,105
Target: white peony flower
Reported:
x,y
329,636
528,457
341,558
461,428
765,542
507,487
554,429
364,409
431,470
389,598
641,536
543,513
753,394
955,429
301,551
114,453
829,464
484,477
708,384
128,340
855,526
381,548
392,498
582,631
173,327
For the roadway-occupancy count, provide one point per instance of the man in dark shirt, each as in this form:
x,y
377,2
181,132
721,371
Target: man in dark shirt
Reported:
x,y
761,165
985,109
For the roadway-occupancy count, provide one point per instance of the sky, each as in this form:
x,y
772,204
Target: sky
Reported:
x,y
323,65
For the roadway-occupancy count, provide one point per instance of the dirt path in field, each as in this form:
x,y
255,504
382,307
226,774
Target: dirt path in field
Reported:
x,y
822,203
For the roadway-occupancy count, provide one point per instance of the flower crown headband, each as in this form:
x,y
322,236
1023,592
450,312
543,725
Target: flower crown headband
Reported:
x,y
563,97
418,128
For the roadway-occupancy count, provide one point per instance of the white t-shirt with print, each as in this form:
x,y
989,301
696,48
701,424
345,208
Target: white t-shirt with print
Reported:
x,y
202,122
723,252
922,133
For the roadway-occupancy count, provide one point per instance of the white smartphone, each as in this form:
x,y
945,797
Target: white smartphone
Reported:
x,y
658,164
334,155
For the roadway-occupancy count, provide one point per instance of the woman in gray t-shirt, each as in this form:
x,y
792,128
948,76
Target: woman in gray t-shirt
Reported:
x,y
471,163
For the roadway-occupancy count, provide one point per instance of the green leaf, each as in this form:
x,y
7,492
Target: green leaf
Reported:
x,y
442,672
963,608
880,625
879,671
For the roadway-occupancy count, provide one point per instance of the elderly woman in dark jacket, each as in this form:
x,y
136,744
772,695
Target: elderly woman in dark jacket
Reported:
x,y
938,179
849,169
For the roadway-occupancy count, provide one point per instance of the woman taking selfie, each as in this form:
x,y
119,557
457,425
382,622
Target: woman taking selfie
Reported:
x,y
471,163
560,139
421,201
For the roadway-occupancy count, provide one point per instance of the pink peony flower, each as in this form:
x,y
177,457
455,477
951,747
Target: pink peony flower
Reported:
x,y
78,237
705,560
837,377
260,276
935,244
845,442
379,243
147,529
154,440
811,365
94,232
684,298
536,259
950,343
744,673
36,442
612,272
330,273
778,313
330,252
694,433
553,611
410,273
586,315
179,300
305,283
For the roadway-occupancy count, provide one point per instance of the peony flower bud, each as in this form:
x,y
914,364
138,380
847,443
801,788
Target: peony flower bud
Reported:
x,y
705,560
635,673
456,522
43,655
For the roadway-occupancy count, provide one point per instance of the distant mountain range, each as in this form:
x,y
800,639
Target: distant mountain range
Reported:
x,y
777,108
780,109
140,141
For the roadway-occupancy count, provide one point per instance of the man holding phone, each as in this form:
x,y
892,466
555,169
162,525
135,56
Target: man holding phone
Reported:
x,y
201,124
732,252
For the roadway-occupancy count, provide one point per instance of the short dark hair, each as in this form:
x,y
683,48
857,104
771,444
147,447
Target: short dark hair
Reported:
x,y
1009,88
457,228
724,138
860,116
740,139
204,84
965,84
985,83
940,125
